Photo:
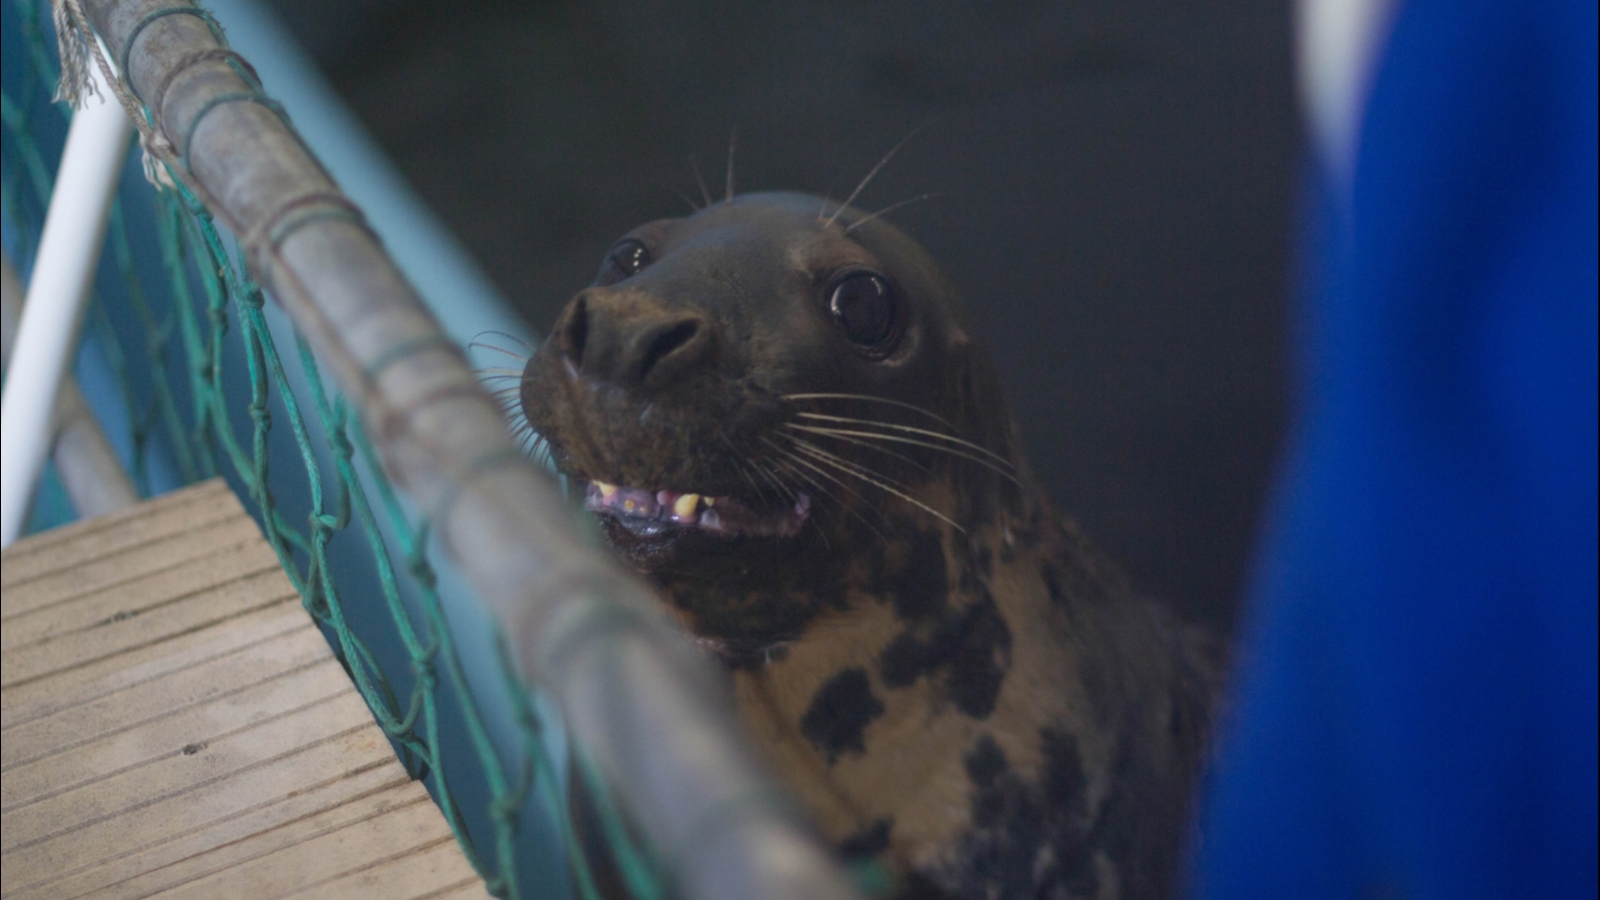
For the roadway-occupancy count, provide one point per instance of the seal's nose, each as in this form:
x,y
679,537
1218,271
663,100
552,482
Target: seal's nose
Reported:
x,y
628,340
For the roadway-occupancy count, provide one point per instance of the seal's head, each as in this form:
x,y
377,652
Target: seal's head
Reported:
x,y
771,385
779,417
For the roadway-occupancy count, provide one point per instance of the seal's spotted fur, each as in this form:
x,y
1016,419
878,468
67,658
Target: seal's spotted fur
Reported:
x,y
948,675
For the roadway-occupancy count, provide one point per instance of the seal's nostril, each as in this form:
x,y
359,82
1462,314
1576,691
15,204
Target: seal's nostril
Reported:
x,y
665,343
576,332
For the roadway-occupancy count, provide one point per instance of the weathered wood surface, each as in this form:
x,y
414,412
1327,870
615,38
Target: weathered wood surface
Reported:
x,y
173,725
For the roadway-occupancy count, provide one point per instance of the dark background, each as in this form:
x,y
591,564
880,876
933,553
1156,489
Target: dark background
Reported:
x,y
1121,172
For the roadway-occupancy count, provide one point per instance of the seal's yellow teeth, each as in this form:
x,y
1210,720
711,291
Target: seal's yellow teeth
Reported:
x,y
649,510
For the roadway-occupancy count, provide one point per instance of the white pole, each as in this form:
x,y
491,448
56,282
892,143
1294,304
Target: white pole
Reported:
x,y
63,271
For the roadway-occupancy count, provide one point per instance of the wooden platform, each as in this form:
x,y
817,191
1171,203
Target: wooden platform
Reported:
x,y
172,725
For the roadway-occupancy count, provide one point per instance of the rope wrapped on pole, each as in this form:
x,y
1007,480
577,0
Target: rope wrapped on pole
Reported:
x,y
643,704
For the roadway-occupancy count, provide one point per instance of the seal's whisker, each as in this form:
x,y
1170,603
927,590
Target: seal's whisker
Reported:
x,y
793,495
960,442
917,409
792,458
822,492
870,446
909,429
894,206
816,451
694,166
777,484
895,438
478,339
836,509
823,456
536,446
744,472
870,175
785,491
733,141
521,358
782,489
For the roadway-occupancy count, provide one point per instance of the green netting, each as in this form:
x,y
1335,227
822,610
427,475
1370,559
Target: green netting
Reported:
x,y
184,392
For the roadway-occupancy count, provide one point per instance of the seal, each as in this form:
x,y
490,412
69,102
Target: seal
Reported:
x,y
780,418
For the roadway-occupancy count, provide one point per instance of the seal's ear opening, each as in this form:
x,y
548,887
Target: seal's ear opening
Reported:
x,y
982,414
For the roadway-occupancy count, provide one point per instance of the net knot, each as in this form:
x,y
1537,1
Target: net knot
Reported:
x,y
342,448
503,809
422,666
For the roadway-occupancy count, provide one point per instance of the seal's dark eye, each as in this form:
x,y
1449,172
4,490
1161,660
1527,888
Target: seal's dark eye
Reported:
x,y
624,261
863,305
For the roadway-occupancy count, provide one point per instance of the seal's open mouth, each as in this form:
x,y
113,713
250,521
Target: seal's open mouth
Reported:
x,y
648,513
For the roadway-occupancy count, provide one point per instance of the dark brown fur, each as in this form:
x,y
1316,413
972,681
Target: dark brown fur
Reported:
x,y
947,674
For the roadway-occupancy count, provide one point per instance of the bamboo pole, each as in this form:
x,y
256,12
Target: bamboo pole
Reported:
x,y
650,710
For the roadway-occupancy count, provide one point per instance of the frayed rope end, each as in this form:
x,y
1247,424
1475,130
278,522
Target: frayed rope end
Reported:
x,y
72,45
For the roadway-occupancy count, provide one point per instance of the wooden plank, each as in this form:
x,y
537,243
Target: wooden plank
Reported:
x,y
163,695
133,748
117,636
89,539
311,865
472,890
418,873
120,568
227,841
147,880
209,805
175,725
26,702
139,595
188,761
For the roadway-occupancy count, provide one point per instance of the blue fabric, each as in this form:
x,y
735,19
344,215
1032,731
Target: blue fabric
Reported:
x,y
1415,713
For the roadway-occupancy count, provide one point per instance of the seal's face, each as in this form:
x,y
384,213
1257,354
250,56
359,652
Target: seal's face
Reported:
x,y
753,384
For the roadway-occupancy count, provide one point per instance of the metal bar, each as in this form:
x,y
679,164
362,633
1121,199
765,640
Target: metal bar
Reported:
x,y
94,478
649,709
63,271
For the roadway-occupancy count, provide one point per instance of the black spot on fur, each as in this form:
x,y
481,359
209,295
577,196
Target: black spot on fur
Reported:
x,y
1064,782
970,582
977,568
969,649
869,841
981,558
840,713
1105,697
985,762
1052,583
919,887
1028,838
920,588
